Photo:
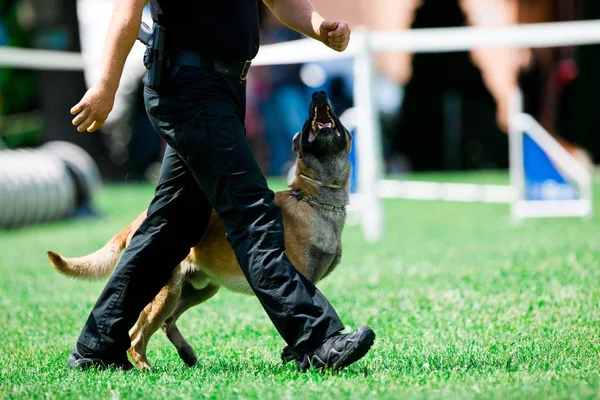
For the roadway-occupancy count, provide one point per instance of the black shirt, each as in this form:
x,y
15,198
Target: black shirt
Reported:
x,y
221,28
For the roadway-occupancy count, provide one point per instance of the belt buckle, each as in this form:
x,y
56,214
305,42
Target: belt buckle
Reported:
x,y
245,70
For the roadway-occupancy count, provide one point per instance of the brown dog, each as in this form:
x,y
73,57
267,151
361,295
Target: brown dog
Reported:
x,y
313,216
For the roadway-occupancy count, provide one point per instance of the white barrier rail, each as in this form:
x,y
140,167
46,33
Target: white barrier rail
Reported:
x,y
439,40
462,192
414,40
11,57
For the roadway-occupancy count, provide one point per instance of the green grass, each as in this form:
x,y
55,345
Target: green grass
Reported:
x,y
465,305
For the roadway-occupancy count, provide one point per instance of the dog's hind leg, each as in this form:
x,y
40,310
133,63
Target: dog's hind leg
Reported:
x,y
152,317
189,298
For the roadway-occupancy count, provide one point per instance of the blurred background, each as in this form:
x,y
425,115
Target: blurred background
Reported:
x,y
438,111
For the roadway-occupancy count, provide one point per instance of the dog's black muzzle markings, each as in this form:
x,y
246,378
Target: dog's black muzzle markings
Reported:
x,y
322,137
323,133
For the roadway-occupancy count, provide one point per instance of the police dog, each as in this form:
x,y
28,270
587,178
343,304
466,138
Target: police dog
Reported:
x,y
314,214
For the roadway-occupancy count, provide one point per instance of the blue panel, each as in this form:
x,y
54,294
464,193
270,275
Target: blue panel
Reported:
x,y
543,181
354,170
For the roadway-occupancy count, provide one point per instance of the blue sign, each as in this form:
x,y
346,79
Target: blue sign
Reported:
x,y
543,181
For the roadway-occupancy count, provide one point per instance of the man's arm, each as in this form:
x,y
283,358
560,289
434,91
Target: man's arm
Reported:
x,y
96,104
301,16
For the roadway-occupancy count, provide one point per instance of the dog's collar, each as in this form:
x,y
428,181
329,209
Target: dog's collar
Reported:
x,y
313,202
316,182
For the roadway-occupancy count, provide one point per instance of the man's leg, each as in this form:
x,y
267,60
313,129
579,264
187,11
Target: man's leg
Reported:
x,y
177,218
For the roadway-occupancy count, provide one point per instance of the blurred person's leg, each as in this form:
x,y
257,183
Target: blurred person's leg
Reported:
x,y
52,91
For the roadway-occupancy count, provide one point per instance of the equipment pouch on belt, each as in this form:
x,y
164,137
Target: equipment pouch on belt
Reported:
x,y
155,58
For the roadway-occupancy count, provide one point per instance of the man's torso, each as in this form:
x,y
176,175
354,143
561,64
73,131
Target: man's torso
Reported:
x,y
228,29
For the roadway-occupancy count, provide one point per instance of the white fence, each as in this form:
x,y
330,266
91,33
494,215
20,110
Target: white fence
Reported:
x,y
363,44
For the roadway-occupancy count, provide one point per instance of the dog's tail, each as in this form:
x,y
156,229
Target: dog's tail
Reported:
x,y
100,263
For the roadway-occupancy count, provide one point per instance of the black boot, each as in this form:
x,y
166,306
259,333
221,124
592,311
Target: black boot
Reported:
x,y
82,359
336,352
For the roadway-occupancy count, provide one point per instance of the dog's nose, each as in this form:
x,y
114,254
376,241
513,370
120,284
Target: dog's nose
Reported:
x,y
320,94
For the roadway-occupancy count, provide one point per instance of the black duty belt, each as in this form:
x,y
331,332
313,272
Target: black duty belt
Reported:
x,y
238,69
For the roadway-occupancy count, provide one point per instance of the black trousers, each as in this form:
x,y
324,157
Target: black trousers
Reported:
x,y
208,164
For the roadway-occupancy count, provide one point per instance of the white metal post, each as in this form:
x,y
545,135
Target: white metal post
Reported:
x,y
368,142
515,160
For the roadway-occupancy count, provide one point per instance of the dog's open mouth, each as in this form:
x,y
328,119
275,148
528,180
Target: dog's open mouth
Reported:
x,y
321,121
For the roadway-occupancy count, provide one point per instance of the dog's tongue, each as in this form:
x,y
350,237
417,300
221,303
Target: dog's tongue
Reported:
x,y
321,125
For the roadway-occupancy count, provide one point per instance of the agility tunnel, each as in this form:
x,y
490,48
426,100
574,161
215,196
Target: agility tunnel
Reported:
x,y
52,182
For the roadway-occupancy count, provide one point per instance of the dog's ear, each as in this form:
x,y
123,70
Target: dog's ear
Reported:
x,y
296,142
348,141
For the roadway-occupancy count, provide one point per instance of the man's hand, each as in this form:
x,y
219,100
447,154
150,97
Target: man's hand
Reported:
x,y
335,34
301,16
93,109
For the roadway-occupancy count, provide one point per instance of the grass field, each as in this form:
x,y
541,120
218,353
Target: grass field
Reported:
x,y
465,305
